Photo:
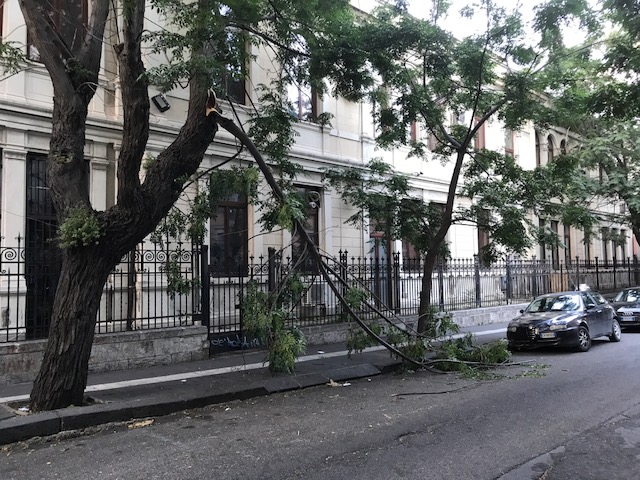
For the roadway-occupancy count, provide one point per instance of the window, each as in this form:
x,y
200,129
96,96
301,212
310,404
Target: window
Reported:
x,y
484,238
587,247
233,87
567,244
304,102
538,156
550,153
432,141
555,251
623,244
67,24
311,197
508,142
605,244
229,236
563,147
543,246
589,302
414,135
410,257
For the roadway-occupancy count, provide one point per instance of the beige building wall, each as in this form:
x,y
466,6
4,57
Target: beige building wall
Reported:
x,y
25,112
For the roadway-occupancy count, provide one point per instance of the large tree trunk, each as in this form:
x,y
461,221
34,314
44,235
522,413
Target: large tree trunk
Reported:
x,y
425,292
63,375
64,370
434,248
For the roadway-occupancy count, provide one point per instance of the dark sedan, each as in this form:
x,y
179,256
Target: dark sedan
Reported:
x,y
565,319
627,305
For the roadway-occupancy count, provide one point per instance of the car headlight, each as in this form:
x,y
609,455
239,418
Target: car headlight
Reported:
x,y
512,328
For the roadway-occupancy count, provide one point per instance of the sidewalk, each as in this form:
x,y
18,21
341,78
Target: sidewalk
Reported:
x,y
155,391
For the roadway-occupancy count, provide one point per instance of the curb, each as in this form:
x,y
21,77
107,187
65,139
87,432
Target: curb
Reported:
x,y
23,427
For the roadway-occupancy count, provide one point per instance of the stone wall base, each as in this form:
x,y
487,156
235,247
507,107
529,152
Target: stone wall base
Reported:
x,y
338,332
20,361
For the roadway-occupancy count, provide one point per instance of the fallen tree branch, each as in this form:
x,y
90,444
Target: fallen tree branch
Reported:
x,y
238,133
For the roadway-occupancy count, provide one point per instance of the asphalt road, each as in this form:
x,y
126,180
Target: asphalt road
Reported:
x,y
584,408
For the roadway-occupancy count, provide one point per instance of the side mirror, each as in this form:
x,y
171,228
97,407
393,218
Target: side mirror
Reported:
x,y
521,310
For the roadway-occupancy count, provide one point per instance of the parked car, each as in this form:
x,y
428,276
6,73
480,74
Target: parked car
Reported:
x,y
627,306
565,319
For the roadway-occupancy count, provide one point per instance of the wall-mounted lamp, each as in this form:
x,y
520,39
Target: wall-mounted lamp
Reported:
x,y
161,102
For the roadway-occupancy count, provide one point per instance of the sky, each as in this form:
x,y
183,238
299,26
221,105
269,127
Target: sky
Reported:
x,y
463,27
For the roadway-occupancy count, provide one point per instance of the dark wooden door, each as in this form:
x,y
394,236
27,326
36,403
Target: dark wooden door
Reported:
x,y
42,256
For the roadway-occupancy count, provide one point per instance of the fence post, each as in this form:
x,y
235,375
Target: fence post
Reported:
x,y
441,285
629,284
577,272
509,290
614,273
396,282
534,279
597,275
476,273
205,281
271,269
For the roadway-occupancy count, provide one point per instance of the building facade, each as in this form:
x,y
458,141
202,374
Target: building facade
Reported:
x,y
28,221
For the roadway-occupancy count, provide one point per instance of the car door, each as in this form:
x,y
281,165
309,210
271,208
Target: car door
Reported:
x,y
594,314
607,312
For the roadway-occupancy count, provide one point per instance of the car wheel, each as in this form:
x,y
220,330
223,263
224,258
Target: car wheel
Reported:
x,y
616,333
584,339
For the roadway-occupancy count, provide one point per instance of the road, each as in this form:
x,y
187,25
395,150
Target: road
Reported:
x,y
582,407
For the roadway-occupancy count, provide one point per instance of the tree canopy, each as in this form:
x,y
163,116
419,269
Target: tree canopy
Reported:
x,y
203,42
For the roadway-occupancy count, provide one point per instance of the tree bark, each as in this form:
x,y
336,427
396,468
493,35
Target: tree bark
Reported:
x,y
434,248
62,378
63,375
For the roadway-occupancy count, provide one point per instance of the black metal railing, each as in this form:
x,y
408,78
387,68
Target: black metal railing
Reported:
x,y
173,284
394,285
153,287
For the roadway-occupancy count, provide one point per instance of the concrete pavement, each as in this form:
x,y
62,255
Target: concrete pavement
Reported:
x,y
132,394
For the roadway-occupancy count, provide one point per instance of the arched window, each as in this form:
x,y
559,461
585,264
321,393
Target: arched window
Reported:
x,y
550,148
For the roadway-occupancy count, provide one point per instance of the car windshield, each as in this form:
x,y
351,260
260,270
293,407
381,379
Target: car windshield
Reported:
x,y
632,295
564,303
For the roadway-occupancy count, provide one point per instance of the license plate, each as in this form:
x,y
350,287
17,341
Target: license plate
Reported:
x,y
628,319
548,335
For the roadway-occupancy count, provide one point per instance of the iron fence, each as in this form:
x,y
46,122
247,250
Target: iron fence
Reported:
x,y
394,285
174,285
156,287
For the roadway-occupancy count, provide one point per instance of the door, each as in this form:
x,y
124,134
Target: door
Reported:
x,y
42,256
607,313
595,315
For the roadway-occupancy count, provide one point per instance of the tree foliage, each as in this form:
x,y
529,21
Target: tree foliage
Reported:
x,y
423,74
205,44
600,98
